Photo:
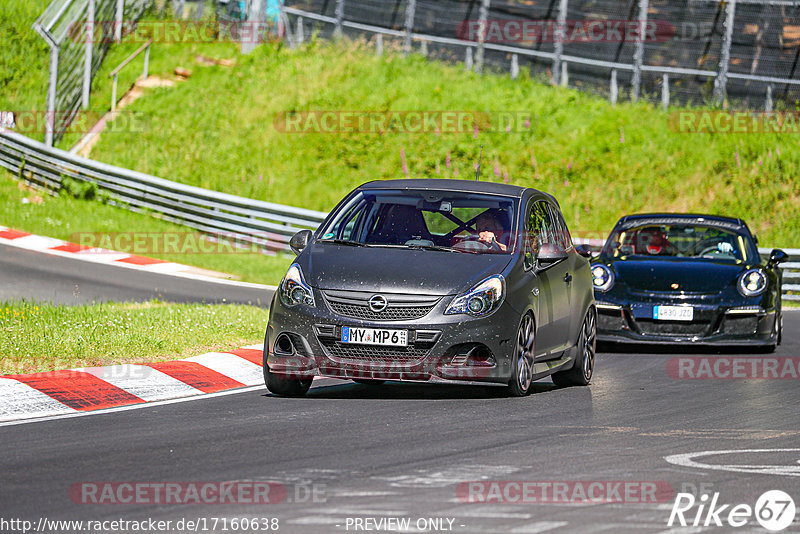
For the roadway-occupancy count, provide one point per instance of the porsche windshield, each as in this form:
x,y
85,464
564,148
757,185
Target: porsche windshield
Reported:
x,y
683,240
425,219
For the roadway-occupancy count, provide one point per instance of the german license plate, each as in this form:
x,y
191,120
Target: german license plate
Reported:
x,y
374,336
673,313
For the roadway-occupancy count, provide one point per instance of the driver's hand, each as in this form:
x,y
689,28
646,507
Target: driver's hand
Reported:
x,y
487,237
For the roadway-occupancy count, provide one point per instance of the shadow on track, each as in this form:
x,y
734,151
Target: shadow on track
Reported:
x,y
412,391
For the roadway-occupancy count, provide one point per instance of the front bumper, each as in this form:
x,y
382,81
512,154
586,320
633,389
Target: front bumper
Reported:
x,y
713,324
437,350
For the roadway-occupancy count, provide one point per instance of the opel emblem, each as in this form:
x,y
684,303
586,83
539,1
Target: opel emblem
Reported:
x,y
674,285
377,303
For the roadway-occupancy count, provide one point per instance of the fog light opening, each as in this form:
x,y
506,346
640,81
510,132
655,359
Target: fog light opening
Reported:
x,y
284,345
473,355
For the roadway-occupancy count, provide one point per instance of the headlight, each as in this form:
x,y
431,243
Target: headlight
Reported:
x,y
752,283
481,300
602,278
294,290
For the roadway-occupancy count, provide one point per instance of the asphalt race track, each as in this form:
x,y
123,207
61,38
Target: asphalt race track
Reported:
x,y
45,277
402,450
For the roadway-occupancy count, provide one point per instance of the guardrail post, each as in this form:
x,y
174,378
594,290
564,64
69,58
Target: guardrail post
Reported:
x,y
337,31
564,75
87,61
379,44
114,94
614,89
638,54
558,46
120,11
514,66
411,8
665,91
468,59
721,82
483,16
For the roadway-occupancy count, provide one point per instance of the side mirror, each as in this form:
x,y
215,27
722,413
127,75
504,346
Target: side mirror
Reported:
x,y
777,256
550,254
300,240
584,250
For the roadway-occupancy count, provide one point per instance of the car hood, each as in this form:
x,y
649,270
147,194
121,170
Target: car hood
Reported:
x,y
397,270
690,275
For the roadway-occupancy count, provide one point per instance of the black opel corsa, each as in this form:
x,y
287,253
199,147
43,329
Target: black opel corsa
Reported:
x,y
436,281
679,278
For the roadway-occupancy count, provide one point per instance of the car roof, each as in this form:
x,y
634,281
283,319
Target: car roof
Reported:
x,y
469,186
665,217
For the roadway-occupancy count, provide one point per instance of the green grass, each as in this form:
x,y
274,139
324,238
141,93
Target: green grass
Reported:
x,y
216,130
66,218
43,337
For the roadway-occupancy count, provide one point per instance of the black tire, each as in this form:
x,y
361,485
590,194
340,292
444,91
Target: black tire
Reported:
x,y
368,381
583,367
522,369
283,385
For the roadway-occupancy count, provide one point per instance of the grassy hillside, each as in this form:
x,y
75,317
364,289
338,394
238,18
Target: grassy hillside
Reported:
x,y
217,130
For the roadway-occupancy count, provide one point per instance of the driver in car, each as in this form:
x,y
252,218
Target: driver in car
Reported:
x,y
490,228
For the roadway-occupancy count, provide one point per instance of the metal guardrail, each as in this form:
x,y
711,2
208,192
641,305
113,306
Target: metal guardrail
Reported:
x,y
244,220
238,219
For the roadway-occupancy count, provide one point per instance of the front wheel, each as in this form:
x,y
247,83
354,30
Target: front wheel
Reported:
x,y
285,386
583,368
522,376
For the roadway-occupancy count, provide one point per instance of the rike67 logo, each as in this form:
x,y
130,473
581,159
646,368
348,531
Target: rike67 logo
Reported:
x,y
774,510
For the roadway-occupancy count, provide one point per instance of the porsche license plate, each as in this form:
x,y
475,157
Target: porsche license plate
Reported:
x,y
673,313
374,336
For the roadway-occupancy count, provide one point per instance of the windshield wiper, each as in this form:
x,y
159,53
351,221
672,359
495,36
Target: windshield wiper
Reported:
x,y
343,242
439,248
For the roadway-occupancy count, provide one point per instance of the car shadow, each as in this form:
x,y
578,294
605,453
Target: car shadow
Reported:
x,y
413,391
607,347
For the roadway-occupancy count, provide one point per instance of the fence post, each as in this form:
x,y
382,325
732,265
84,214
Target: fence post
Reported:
x,y
409,26
725,53
114,94
665,91
379,44
614,89
118,24
300,35
768,101
50,122
483,16
468,59
514,66
87,61
558,46
255,19
638,54
337,31
146,70
564,80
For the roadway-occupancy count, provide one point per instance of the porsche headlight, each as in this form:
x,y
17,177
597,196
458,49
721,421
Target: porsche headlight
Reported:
x,y
602,278
752,283
294,290
481,300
